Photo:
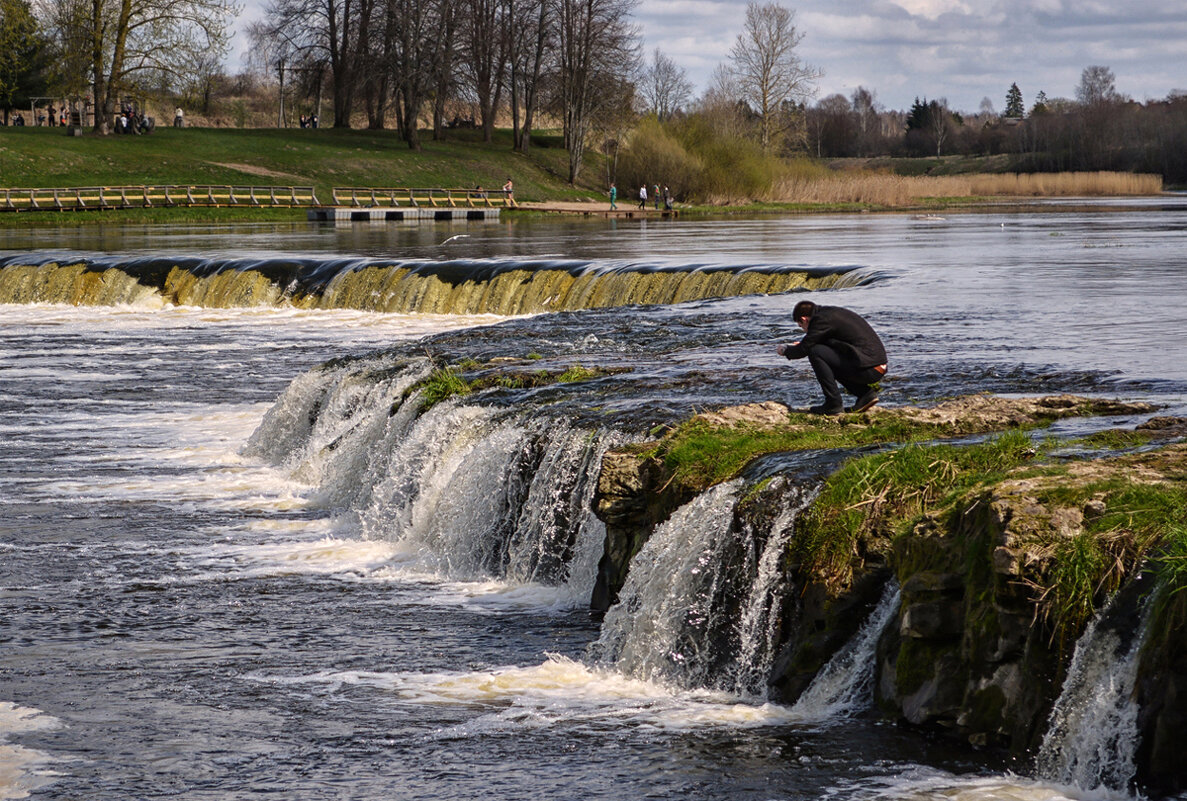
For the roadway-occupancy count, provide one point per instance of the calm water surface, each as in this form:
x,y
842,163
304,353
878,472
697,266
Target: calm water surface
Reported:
x,y
178,620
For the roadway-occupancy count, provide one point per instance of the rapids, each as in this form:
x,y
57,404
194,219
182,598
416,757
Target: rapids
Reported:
x,y
234,563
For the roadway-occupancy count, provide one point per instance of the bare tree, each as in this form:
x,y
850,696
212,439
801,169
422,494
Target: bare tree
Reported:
x,y
768,71
596,43
531,32
331,31
720,108
444,68
665,87
1097,86
941,123
484,36
865,112
128,39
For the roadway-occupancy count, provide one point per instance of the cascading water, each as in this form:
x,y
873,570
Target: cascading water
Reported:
x,y
470,491
842,687
698,609
1092,736
479,286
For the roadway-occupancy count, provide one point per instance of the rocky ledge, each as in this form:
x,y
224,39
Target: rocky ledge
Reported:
x,y
1000,574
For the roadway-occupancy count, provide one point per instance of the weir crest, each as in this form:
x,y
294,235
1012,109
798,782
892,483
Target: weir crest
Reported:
x,y
480,286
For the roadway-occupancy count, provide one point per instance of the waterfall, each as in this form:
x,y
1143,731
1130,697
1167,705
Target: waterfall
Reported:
x,y
1092,734
470,491
480,286
699,607
842,687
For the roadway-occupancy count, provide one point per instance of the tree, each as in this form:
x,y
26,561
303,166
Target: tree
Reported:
x,y
767,69
22,54
929,125
531,32
865,112
128,39
485,56
665,87
1097,86
1014,108
596,43
1040,106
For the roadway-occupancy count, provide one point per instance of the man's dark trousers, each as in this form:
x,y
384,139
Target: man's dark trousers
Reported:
x,y
831,367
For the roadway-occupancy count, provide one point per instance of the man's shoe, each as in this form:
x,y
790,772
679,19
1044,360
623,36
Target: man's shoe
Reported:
x,y
824,408
865,401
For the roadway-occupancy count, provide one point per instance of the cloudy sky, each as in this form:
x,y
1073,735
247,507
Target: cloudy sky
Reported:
x,y
962,50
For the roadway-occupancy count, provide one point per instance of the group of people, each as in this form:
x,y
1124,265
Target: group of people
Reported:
x,y
309,121
664,195
131,121
52,116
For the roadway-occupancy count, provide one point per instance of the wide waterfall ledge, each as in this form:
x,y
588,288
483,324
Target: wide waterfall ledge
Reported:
x,y
480,286
934,565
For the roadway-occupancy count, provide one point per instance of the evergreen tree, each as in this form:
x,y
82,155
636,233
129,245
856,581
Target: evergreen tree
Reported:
x,y
1014,107
1040,106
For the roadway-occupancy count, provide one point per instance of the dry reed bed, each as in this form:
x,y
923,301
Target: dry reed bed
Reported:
x,y
901,190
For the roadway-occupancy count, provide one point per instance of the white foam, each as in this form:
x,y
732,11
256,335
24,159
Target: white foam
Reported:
x,y
917,783
560,690
23,770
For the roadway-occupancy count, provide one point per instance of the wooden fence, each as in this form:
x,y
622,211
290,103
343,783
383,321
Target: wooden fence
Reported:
x,y
143,197
366,197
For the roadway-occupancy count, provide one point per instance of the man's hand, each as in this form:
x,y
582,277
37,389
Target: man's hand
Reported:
x,y
781,350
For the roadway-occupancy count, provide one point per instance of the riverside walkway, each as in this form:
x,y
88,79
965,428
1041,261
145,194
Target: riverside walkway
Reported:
x,y
92,198
350,198
627,211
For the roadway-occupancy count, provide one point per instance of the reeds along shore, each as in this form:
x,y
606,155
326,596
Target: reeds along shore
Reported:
x,y
900,190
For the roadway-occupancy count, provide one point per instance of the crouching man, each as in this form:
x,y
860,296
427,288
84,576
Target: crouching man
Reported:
x,y
841,347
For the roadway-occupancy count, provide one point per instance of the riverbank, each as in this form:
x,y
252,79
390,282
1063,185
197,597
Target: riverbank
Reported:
x,y
325,158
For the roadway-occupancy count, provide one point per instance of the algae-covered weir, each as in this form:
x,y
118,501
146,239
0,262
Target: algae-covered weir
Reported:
x,y
292,512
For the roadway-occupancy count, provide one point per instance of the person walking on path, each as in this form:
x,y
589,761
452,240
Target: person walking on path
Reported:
x,y
841,347
655,191
643,196
613,197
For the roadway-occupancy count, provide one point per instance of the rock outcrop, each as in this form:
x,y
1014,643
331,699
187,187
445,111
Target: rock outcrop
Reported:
x,y
992,604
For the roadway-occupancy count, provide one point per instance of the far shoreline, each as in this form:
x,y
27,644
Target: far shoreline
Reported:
x,y
574,209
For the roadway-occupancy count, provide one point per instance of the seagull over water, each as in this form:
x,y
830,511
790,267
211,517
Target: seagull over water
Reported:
x,y
458,236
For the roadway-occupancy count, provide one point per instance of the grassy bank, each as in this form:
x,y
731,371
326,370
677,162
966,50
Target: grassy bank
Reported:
x,y
325,158
322,158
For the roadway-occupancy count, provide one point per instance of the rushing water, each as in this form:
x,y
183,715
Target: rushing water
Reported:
x,y
197,602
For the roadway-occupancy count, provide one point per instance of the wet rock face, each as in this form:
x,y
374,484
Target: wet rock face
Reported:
x,y
635,494
968,654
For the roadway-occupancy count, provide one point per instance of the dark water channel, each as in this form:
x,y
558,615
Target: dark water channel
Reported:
x,y
178,620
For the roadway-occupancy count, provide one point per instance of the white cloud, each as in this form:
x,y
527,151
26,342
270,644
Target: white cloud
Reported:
x,y
964,50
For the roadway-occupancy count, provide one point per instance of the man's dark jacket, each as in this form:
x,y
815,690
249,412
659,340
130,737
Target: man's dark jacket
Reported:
x,y
844,331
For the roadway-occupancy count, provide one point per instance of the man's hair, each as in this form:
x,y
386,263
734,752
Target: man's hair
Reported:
x,y
805,308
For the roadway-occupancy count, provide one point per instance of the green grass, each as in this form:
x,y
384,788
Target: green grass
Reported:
x,y
1114,439
700,454
1170,566
877,494
443,383
447,382
322,158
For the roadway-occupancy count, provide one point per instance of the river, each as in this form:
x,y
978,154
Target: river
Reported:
x,y
182,617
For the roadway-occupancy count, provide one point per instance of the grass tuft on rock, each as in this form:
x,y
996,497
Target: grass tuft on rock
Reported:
x,y
874,496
